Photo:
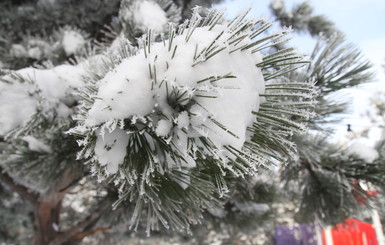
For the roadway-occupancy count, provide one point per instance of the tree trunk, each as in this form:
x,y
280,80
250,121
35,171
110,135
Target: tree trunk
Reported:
x,y
47,211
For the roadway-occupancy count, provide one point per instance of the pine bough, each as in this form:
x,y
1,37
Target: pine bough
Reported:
x,y
168,122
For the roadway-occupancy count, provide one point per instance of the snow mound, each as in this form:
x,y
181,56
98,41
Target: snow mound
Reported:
x,y
362,151
213,99
111,149
30,89
144,15
16,105
150,15
72,42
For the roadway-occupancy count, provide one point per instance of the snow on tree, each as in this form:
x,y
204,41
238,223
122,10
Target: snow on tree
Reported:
x,y
169,111
302,19
166,121
171,123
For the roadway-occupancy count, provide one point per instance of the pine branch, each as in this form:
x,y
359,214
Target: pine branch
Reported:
x,y
23,191
310,170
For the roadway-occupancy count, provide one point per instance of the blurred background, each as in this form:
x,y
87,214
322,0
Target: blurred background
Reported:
x,y
362,24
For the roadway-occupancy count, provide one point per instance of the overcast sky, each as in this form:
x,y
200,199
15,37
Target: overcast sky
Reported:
x,y
362,21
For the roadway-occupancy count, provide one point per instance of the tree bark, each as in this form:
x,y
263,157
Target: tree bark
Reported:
x,y
23,191
47,214
47,211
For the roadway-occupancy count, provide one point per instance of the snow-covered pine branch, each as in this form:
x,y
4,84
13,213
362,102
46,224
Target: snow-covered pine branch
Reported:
x,y
170,120
29,91
36,106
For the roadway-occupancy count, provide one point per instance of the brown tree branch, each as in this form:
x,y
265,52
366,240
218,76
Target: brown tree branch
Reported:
x,y
81,235
47,211
77,232
23,191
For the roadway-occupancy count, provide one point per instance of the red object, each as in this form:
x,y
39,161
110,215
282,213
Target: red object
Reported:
x,y
352,232
361,196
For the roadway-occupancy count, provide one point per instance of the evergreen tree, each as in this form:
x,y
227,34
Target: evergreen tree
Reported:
x,y
114,119
301,18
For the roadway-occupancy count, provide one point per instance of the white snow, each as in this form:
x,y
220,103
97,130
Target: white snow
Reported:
x,y
124,92
130,90
151,16
18,51
145,15
72,42
55,84
163,128
363,151
36,145
16,105
139,86
110,149
217,212
277,4
35,53
19,100
183,120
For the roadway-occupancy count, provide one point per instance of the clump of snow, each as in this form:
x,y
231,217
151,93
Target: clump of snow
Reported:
x,y
163,128
277,4
218,212
16,105
183,120
38,48
55,84
144,15
221,110
72,42
363,151
35,53
251,207
30,88
110,149
151,16
18,51
36,145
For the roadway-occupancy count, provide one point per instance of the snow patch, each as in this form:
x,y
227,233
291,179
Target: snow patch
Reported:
x,y
19,97
277,4
72,42
163,128
17,105
183,120
143,15
110,149
362,151
150,15
36,145
222,110
18,51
